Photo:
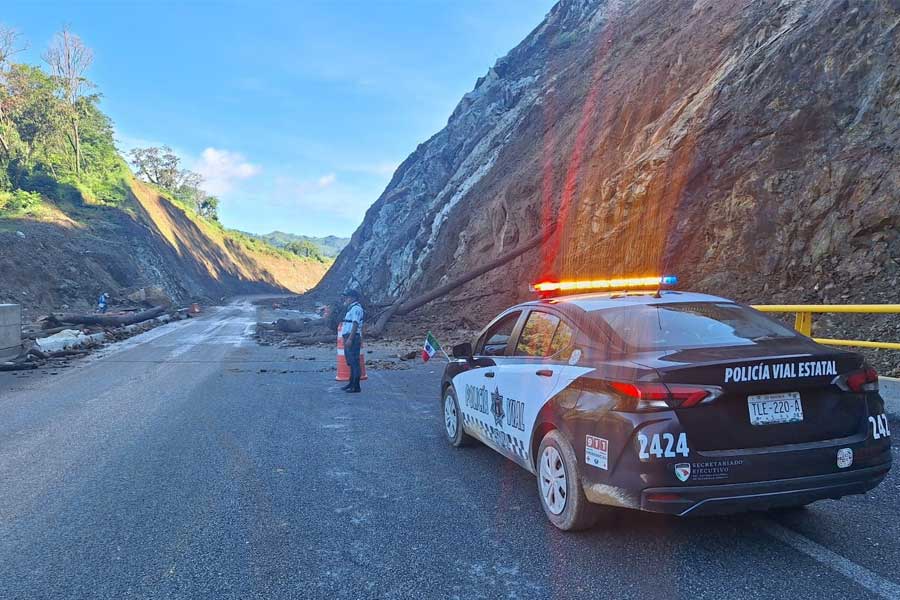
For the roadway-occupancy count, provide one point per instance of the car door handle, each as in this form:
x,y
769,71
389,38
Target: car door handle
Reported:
x,y
489,374
544,373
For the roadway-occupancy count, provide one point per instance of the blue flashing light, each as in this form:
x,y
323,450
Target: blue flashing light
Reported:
x,y
669,280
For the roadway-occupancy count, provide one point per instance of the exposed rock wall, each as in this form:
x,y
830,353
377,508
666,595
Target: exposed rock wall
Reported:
x,y
750,147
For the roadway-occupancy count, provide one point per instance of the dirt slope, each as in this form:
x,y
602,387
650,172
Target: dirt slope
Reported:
x,y
75,252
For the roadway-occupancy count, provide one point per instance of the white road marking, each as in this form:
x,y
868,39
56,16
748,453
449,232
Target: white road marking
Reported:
x,y
857,573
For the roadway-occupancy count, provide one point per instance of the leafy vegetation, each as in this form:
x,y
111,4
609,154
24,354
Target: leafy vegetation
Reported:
x,y
255,244
162,168
305,249
328,247
55,143
19,201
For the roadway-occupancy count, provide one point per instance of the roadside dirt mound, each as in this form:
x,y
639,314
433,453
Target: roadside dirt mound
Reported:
x,y
151,242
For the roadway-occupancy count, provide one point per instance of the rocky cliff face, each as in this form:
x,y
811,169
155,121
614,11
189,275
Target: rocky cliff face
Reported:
x,y
750,147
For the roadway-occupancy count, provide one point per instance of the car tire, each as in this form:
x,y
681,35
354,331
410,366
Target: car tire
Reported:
x,y
559,485
453,421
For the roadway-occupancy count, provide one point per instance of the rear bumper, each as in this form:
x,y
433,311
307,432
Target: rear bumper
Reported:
x,y
741,497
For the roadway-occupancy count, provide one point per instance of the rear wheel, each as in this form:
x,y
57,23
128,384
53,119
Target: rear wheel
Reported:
x,y
559,485
453,422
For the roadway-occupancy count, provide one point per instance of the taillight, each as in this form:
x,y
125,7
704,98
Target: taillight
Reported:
x,y
688,396
862,380
640,397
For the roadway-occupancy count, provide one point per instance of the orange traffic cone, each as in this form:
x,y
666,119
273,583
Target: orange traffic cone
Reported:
x,y
343,371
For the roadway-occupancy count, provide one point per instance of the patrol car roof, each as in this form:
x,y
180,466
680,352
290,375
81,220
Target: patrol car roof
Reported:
x,y
601,300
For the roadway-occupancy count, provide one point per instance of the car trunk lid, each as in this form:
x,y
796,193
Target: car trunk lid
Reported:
x,y
781,386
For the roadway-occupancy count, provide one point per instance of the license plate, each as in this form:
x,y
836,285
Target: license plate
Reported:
x,y
771,409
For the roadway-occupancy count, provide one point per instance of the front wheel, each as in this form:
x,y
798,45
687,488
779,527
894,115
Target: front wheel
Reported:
x,y
453,420
559,485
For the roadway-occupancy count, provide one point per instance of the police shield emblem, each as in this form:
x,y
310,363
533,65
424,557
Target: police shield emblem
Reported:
x,y
497,407
683,471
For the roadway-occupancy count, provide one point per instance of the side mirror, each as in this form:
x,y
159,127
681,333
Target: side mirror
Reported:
x,y
463,350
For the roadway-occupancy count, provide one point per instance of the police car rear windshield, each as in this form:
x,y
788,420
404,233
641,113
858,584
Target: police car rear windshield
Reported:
x,y
649,327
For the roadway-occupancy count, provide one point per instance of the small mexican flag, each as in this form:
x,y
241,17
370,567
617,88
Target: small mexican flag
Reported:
x,y
432,347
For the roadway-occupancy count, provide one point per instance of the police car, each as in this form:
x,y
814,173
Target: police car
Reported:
x,y
665,401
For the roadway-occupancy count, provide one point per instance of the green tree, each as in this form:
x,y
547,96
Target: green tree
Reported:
x,y
305,249
69,59
162,167
9,46
209,208
54,139
34,110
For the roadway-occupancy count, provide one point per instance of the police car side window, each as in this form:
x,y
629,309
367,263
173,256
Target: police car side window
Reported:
x,y
495,339
537,335
562,341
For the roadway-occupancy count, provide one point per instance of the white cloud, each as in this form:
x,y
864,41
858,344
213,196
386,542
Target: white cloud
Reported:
x,y
222,169
326,180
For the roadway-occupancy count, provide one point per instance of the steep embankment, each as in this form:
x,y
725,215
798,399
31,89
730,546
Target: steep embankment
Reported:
x,y
747,146
69,253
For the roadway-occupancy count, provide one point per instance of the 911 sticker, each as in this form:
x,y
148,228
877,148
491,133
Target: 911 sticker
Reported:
x,y
655,448
880,427
844,458
596,452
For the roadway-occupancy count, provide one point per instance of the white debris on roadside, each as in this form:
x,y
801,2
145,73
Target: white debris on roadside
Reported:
x,y
67,339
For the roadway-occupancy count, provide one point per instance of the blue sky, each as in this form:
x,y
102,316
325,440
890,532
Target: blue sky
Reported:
x,y
296,112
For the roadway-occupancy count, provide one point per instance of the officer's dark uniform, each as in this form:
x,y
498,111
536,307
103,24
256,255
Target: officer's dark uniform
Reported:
x,y
352,343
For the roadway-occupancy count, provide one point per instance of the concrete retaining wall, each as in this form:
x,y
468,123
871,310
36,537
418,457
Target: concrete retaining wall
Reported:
x,y
890,391
10,330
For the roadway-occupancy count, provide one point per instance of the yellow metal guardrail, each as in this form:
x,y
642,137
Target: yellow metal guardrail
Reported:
x,y
804,312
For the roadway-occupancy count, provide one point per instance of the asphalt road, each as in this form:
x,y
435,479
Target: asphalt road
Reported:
x,y
191,463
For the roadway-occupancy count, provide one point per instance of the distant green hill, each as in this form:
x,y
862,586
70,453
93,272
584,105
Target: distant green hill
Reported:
x,y
329,246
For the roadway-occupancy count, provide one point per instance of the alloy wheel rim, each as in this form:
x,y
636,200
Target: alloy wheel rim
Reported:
x,y
451,420
553,480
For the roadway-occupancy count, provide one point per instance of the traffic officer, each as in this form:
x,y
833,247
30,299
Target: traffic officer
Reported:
x,y
351,331
102,302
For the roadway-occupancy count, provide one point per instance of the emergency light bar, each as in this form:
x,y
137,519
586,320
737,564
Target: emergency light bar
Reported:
x,y
624,284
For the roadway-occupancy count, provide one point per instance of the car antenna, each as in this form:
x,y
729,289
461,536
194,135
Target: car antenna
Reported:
x,y
664,280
